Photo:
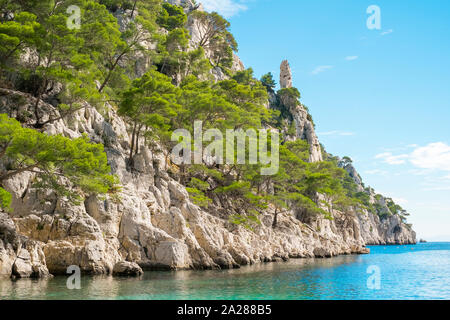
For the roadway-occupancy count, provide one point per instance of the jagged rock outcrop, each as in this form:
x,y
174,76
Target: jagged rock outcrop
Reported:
x,y
390,229
352,173
285,75
304,127
20,257
188,5
237,65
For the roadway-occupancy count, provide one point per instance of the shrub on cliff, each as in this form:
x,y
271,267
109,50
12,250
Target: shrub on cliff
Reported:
x,y
171,17
54,160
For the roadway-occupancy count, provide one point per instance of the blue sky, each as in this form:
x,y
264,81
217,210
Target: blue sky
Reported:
x,y
381,97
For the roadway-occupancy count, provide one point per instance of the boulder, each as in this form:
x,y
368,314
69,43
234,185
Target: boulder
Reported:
x,y
125,268
22,267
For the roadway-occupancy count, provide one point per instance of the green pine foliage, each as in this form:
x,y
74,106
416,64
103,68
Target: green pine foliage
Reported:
x,y
171,17
55,160
97,63
268,81
5,199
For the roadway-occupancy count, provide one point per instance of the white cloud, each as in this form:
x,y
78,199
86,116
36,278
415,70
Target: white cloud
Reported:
x,y
336,133
376,172
432,156
400,201
227,8
351,58
419,172
387,32
437,188
389,158
433,180
320,69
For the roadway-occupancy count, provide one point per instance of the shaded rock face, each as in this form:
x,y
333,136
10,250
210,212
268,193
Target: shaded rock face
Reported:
x,y
124,268
218,73
390,230
352,173
141,61
20,257
375,231
303,124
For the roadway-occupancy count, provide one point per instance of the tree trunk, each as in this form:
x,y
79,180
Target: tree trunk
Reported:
x,y
134,8
13,173
38,123
137,139
11,52
275,219
111,70
132,144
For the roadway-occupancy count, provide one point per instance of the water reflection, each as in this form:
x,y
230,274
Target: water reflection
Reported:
x,y
23,288
406,273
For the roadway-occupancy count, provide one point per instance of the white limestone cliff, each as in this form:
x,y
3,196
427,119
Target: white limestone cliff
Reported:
x,y
152,222
303,125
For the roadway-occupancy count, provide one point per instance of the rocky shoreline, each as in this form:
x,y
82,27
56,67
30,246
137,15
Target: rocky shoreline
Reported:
x,y
152,224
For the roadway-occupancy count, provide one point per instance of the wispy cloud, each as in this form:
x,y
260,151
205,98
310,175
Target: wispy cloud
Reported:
x,y
432,156
400,201
387,32
377,172
419,172
227,8
389,158
320,69
336,133
437,188
351,58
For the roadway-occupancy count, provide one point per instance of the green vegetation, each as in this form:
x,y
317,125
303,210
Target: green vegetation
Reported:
x,y
148,106
55,160
98,63
268,81
5,199
171,17
215,36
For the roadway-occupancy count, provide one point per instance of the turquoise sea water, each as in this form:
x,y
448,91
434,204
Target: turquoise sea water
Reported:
x,y
406,272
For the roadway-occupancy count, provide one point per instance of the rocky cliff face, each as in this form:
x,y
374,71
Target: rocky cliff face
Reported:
x,y
375,230
152,222
390,230
304,127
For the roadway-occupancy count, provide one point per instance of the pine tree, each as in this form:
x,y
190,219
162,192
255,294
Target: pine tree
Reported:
x,y
54,160
268,81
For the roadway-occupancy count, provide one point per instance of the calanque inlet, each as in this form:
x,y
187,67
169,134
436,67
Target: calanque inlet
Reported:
x,y
156,219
